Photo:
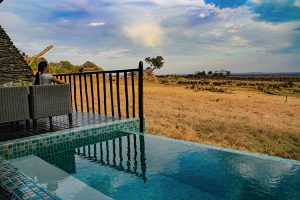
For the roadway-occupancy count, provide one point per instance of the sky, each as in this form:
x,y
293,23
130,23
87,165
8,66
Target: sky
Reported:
x,y
191,35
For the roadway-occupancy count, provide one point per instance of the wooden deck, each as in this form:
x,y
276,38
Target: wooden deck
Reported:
x,y
14,130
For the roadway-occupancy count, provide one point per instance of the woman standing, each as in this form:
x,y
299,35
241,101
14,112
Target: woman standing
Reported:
x,y
43,77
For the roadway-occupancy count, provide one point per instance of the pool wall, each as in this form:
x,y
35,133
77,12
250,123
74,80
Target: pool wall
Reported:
x,y
18,184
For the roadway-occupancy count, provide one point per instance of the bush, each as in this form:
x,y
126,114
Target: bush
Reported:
x,y
58,70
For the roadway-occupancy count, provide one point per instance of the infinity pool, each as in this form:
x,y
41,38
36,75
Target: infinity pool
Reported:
x,y
143,167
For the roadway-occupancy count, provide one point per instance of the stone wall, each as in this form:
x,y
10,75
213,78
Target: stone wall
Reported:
x,y
13,67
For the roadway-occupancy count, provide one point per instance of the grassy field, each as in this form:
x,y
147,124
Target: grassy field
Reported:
x,y
244,118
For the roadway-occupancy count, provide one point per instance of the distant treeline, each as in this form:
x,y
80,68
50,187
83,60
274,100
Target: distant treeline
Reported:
x,y
280,78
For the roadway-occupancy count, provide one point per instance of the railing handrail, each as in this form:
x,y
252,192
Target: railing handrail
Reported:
x,y
99,72
89,92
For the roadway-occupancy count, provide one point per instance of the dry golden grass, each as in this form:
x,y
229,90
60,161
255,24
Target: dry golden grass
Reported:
x,y
245,120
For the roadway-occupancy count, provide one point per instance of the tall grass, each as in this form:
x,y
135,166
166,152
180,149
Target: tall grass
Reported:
x,y
244,120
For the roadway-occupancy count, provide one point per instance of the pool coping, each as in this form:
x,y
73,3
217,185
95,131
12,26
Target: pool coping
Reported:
x,y
66,131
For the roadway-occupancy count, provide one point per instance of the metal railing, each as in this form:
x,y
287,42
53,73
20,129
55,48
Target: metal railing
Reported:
x,y
95,92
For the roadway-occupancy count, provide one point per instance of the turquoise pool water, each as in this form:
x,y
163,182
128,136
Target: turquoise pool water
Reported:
x,y
133,166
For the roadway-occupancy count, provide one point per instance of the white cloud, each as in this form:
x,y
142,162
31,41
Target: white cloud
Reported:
x,y
202,15
183,29
297,3
97,24
147,33
238,41
64,21
256,2
259,2
236,30
113,58
168,2
77,51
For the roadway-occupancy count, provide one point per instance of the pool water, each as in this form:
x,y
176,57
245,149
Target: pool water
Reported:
x,y
134,166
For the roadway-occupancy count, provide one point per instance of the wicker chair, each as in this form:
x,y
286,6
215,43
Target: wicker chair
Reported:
x,y
14,104
50,100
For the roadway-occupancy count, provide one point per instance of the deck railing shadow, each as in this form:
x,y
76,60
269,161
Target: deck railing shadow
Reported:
x,y
109,153
116,93
121,151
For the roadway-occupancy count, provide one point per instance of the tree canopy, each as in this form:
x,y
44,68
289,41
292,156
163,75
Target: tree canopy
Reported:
x,y
155,63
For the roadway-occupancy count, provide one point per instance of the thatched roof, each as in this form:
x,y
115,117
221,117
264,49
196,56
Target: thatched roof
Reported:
x,y
13,67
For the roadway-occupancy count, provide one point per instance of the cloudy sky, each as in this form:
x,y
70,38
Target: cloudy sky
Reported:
x,y
192,35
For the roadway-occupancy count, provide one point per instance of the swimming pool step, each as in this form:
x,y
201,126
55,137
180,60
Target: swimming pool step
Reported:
x,y
21,186
57,181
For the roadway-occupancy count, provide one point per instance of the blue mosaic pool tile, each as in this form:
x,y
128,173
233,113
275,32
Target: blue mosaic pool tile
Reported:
x,y
19,185
28,145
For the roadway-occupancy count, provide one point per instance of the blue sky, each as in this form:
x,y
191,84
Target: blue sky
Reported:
x,y
192,35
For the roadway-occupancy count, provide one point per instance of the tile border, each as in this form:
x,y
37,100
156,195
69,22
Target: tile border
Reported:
x,y
19,146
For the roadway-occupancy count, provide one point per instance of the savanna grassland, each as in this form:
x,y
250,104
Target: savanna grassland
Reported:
x,y
244,119
257,116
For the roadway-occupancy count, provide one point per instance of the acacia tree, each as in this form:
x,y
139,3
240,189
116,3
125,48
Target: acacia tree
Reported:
x,y
155,63
199,74
228,73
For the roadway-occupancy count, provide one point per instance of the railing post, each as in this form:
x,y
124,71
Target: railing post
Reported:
x,y
141,103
